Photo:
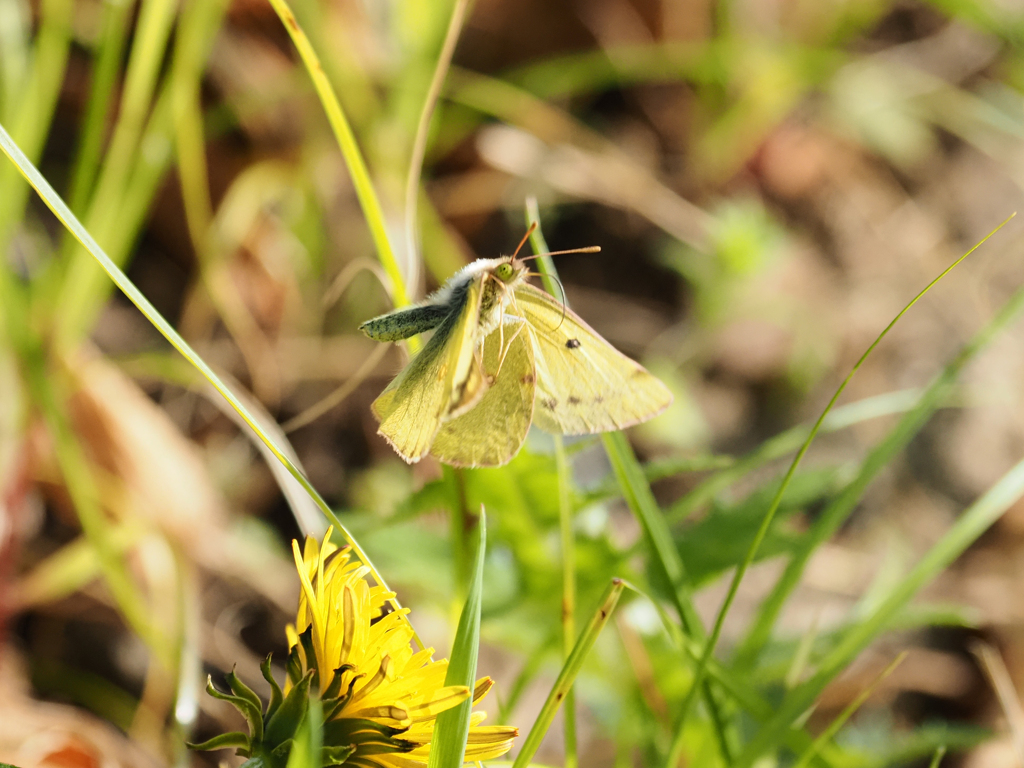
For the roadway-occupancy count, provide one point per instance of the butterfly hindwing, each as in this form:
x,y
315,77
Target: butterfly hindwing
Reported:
x,y
439,383
584,384
492,432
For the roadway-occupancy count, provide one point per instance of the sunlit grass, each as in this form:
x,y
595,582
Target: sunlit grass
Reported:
x,y
551,547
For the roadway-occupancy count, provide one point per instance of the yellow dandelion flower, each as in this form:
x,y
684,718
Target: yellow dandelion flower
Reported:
x,y
379,695
349,648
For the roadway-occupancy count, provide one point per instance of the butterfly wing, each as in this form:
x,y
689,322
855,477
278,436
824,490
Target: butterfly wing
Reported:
x,y
584,384
439,383
493,431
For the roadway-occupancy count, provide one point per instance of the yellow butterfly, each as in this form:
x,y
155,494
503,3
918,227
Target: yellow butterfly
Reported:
x,y
503,354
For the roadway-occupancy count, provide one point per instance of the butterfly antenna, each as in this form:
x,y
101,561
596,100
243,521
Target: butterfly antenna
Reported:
x,y
561,289
587,249
522,242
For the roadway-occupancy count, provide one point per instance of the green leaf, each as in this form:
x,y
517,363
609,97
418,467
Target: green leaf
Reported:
x,y
448,745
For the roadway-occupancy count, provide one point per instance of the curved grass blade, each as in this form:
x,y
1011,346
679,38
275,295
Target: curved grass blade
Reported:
x,y
69,220
709,648
361,180
775,447
569,671
838,510
969,526
448,746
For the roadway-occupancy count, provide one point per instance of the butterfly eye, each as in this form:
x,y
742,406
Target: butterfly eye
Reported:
x,y
504,271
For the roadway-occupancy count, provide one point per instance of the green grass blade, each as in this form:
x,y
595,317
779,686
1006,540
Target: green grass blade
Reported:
x,y
833,728
448,746
110,45
733,685
569,671
68,219
968,527
937,757
361,180
568,541
838,510
786,442
30,122
84,287
196,28
676,750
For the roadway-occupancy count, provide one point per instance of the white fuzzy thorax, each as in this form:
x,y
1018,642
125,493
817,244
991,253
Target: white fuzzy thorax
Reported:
x,y
444,294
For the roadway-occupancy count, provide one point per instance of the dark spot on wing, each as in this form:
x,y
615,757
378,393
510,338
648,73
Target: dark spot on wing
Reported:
x,y
574,400
528,379
572,344
598,400
549,403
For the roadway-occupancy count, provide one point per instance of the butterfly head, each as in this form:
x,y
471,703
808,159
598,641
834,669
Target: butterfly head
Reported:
x,y
509,271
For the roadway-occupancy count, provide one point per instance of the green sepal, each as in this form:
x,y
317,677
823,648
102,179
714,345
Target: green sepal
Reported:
x,y
335,755
349,730
276,694
282,749
335,687
243,691
302,658
223,741
290,714
333,706
252,714
293,665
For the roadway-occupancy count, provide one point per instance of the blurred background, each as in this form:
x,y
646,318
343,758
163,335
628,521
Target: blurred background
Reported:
x,y
770,182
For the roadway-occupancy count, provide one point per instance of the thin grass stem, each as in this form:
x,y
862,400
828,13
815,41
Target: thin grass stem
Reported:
x,y
565,526
833,728
568,673
419,144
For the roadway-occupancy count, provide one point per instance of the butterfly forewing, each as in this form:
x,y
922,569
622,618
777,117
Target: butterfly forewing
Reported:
x,y
491,433
442,380
584,384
